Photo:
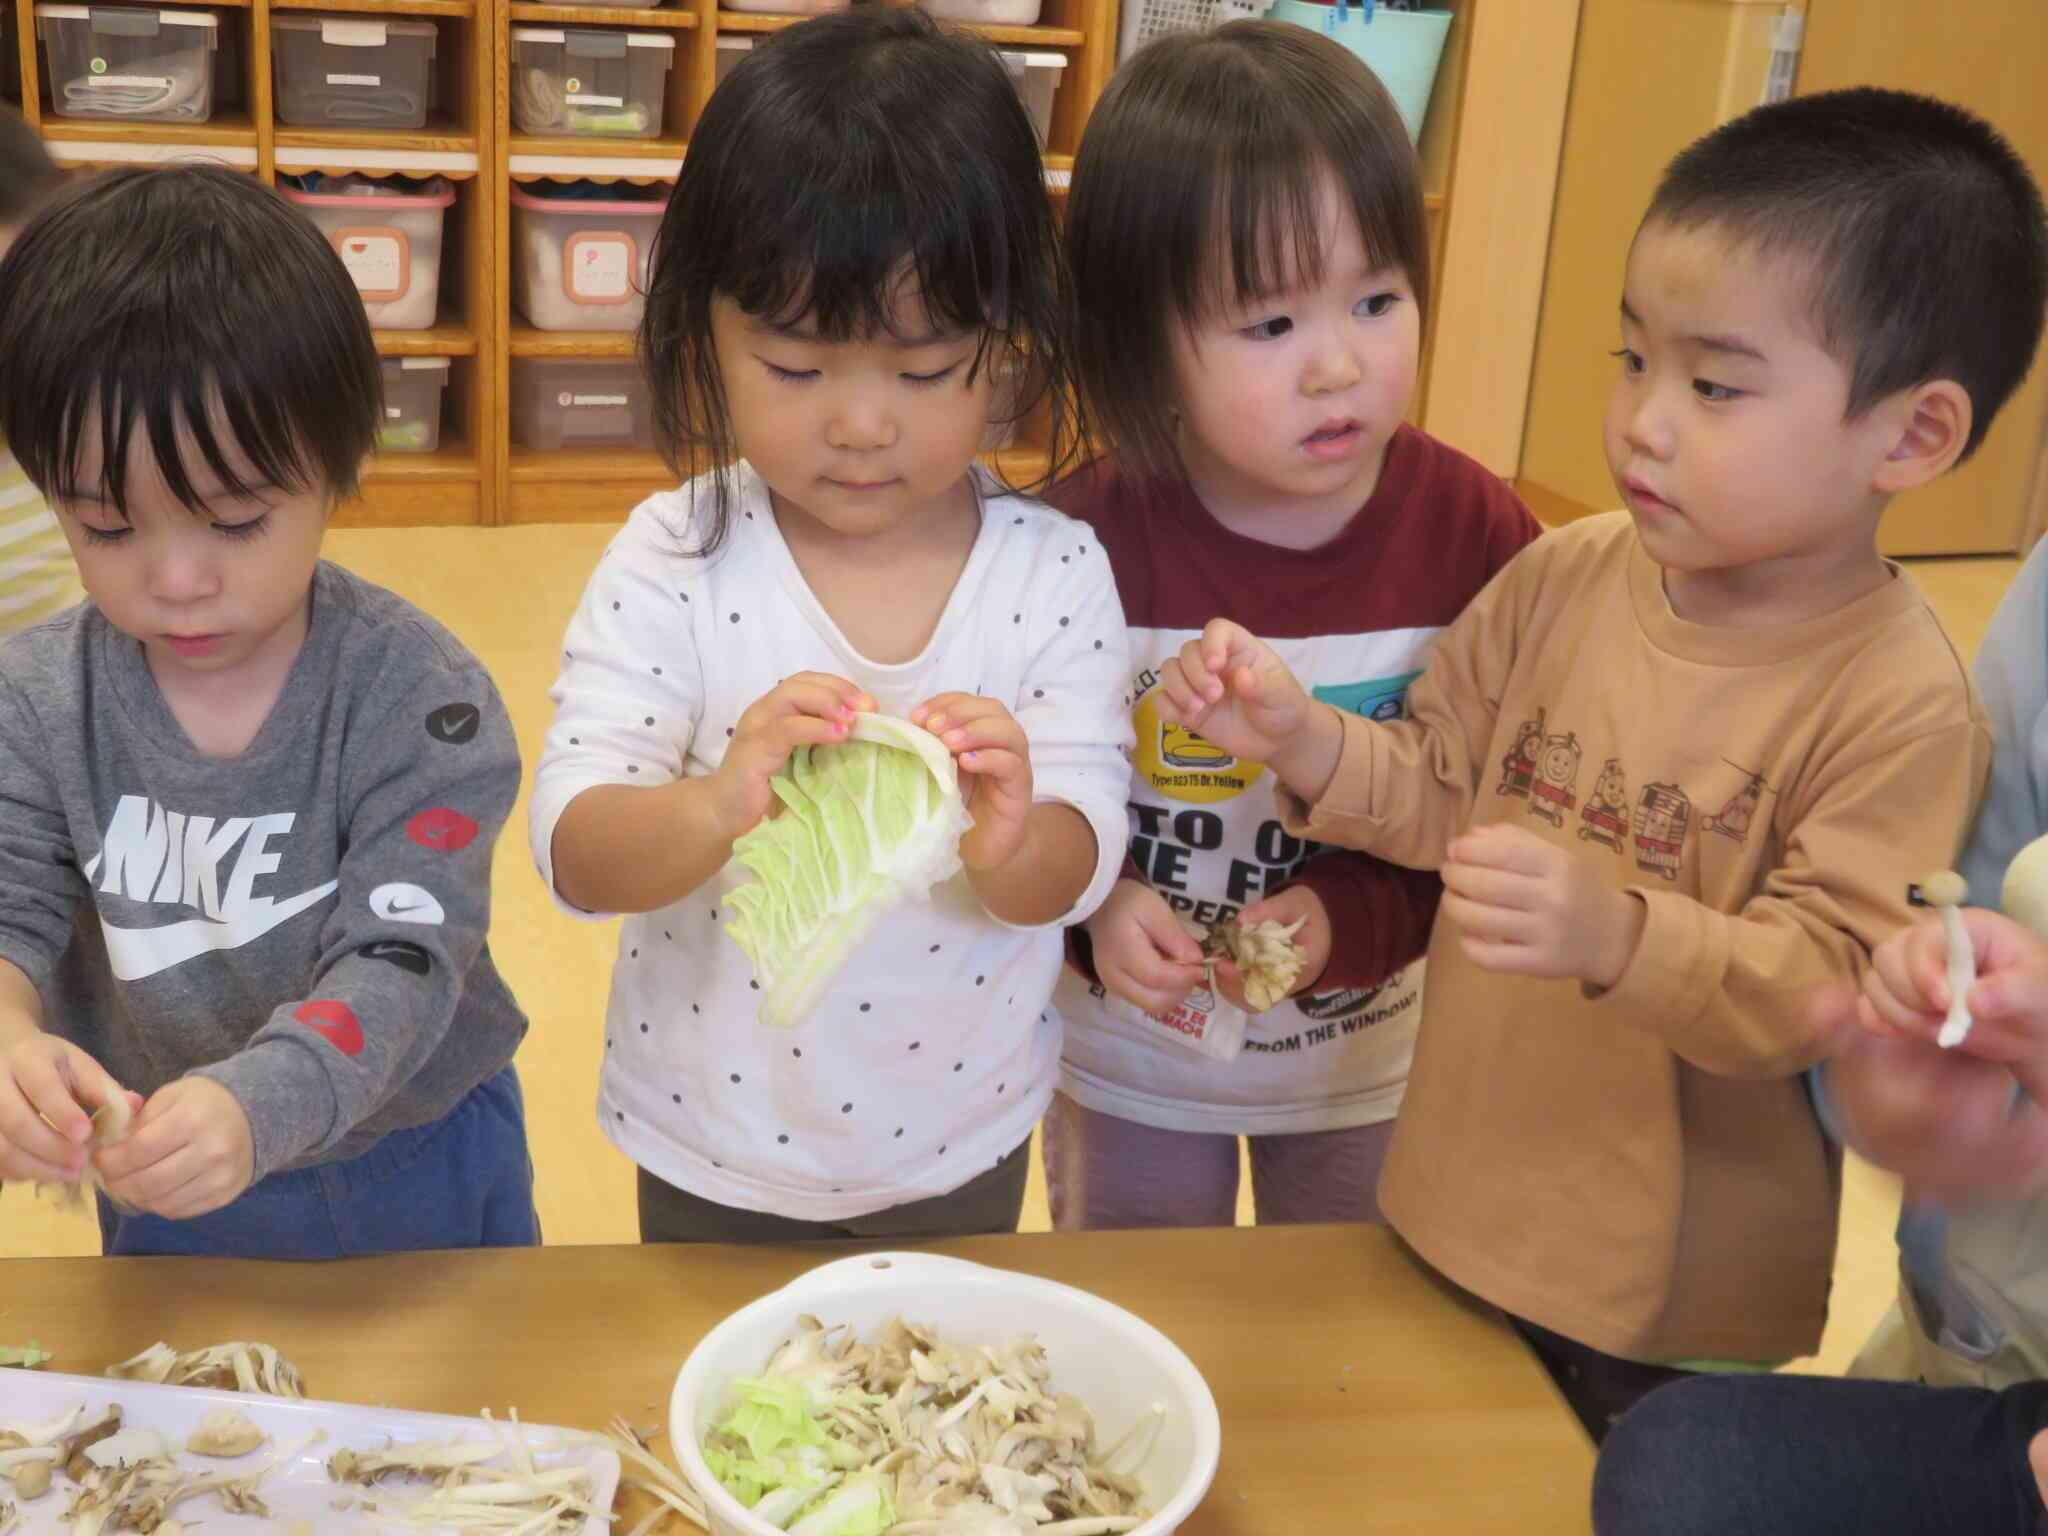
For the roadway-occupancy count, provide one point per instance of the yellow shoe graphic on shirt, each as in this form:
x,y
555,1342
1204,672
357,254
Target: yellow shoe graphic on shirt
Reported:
x,y
1181,764
1180,747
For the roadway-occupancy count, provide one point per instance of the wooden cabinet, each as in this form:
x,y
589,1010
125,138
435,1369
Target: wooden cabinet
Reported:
x,y
1488,148
1991,57
1651,76
452,484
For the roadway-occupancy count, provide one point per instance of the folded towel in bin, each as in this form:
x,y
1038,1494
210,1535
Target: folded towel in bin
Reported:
x,y
168,87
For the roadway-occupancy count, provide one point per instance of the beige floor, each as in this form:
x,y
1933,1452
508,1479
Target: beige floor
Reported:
x,y
508,593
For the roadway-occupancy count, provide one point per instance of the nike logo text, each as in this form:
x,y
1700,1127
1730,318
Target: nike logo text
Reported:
x,y
136,953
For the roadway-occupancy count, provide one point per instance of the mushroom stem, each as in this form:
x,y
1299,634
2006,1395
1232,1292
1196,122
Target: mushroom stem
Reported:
x,y
1962,974
1946,893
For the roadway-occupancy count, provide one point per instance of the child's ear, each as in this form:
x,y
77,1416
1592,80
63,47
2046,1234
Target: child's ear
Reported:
x,y
1932,424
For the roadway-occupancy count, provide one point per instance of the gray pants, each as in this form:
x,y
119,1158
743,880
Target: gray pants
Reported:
x,y
987,1204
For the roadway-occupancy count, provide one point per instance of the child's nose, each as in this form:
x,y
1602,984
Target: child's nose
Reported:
x,y
1332,367
1647,425
860,424
181,573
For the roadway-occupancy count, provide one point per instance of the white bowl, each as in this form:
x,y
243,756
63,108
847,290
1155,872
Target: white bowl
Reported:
x,y
1116,1365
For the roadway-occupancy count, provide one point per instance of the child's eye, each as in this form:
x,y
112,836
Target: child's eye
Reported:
x,y
790,375
103,535
1708,390
1631,362
1373,306
253,528
930,380
1268,330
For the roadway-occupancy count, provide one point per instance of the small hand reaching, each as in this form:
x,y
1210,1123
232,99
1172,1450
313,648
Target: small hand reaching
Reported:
x,y
190,1151
994,758
49,1089
1235,690
1142,954
809,709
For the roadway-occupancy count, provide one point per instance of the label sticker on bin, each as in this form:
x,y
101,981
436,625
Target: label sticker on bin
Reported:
x,y
379,259
372,80
352,34
599,265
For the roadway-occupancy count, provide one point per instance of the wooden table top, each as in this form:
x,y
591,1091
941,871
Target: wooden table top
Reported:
x,y
1357,1393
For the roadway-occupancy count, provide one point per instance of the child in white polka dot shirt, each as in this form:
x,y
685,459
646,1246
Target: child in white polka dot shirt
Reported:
x,y
837,330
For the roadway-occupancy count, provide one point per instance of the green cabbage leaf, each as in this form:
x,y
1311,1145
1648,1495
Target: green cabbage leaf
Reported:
x,y
863,826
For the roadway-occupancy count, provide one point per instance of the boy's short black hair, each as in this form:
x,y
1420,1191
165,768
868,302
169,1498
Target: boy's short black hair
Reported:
x,y
1197,184
1923,230
183,298
27,173
839,154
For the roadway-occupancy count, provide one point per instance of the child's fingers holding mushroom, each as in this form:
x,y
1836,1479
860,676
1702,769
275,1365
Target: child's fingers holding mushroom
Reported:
x,y
1902,995
47,1092
190,1151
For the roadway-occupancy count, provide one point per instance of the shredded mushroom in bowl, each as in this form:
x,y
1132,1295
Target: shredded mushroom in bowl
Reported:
x,y
911,1436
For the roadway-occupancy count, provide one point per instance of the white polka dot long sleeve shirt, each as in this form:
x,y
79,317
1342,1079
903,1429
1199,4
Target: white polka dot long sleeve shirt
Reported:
x,y
936,1049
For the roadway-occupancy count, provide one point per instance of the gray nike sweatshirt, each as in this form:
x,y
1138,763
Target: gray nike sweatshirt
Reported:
x,y
304,923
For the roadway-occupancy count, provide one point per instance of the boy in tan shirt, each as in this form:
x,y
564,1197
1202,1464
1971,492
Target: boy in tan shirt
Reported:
x,y
1678,764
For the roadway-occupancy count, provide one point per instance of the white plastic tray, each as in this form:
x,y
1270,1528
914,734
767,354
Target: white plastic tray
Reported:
x,y
298,1489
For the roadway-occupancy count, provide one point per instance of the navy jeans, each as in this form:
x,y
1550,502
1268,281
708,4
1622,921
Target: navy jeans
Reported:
x,y
463,1181
1765,1455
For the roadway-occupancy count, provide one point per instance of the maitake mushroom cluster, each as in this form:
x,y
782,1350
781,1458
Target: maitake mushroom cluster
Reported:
x,y
1265,954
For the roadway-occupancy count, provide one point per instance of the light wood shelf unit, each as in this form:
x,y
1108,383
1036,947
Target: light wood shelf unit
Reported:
x,y
451,485
587,484
479,475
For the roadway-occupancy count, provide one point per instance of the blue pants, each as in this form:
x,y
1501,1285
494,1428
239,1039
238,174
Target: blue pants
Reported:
x,y
463,1181
1778,1455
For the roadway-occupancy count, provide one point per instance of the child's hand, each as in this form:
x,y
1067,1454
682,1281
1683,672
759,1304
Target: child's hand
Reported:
x,y
995,772
1906,991
1142,953
1529,908
1231,686
809,709
1313,939
189,1152
48,1091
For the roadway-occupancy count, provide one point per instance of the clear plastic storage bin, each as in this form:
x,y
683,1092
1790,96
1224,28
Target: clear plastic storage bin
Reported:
x,y
563,404
1037,78
412,404
584,82
730,50
580,264
389,236
352,71
145,66
993,13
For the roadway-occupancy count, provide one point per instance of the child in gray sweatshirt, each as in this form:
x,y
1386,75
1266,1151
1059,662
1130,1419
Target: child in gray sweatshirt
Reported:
x,y
247,800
